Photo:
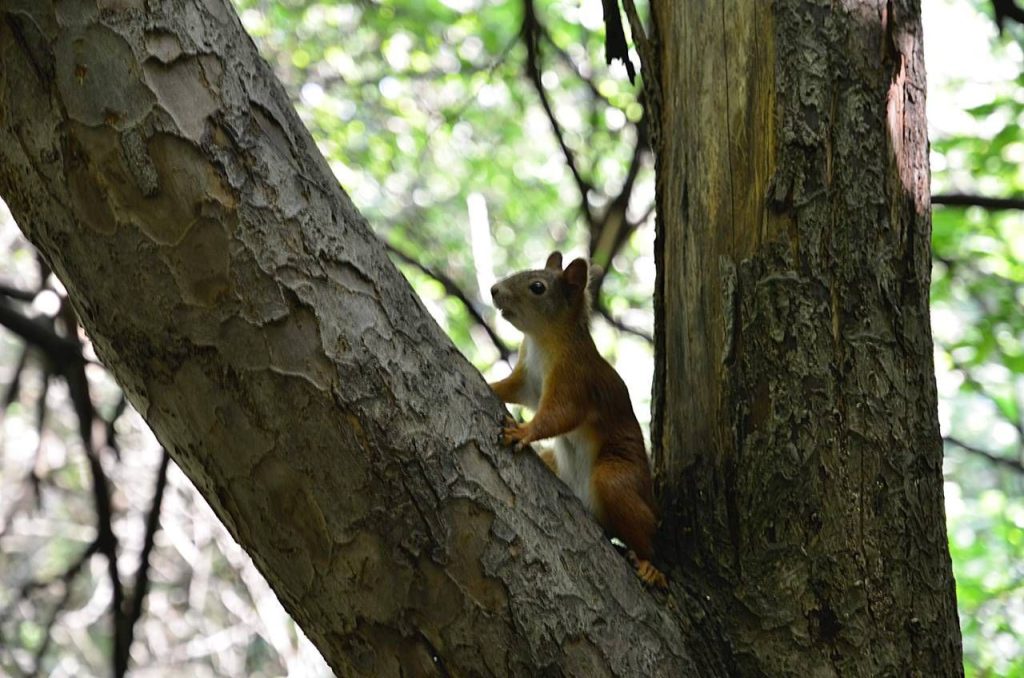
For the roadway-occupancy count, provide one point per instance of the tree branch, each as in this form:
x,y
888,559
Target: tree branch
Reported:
x,y
573,66
999,460
16,293
964,200
530,32
984,393
41,411
613,229
603,311
78,390
1006,9
111,424
141,588
60,350
643,43
452,289
615,46
13,390
65,578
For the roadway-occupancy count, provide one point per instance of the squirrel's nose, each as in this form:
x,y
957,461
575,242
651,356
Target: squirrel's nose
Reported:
x,y
494,291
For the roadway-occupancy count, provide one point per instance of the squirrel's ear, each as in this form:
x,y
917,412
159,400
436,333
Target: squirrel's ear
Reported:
x,y
554,262
576,273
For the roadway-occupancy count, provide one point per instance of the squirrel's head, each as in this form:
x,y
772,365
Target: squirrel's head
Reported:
x,y
549,298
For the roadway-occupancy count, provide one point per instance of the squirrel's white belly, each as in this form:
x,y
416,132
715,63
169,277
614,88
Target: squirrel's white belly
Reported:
x,y
575,459
534,385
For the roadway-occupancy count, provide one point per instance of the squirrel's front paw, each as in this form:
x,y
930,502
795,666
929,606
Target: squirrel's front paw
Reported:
x,y
515,435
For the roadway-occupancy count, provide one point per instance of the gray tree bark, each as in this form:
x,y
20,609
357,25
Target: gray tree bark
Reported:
x,y
798,450
252,318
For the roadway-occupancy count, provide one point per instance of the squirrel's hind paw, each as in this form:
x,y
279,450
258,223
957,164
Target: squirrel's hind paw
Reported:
x,y
650,575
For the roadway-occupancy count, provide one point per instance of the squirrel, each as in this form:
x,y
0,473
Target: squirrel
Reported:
x,y
579,399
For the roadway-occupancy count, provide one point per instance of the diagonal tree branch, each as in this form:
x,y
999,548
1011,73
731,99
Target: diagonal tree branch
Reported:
x,y
41,412
1007,9
603,311
567,59
16,293
979,386
111,426
13,390
65,578
452,289
1005,462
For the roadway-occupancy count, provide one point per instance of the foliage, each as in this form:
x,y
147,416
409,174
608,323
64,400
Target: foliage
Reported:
x,y
977,297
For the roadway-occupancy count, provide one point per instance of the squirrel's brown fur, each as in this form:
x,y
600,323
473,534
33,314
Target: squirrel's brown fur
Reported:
x,y
580,400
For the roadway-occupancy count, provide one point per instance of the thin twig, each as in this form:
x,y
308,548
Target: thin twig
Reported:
x,y
572,65
984,393
614,228
14,387
645,216
61,603
452,289
603,311
111,436
41,410
965,200
78,389
999,460
141,587
530,32
643,43
25,591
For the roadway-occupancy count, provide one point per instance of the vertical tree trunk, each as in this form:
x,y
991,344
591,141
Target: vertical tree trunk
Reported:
x,y
799,455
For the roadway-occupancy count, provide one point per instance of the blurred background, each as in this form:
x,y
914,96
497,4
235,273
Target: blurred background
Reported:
x,y
475,136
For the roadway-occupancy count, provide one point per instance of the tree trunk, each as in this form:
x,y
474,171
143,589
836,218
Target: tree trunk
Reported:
x,y
258,326
798,450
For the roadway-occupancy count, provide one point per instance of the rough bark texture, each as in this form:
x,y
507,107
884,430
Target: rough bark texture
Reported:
x,y
799,453
253,319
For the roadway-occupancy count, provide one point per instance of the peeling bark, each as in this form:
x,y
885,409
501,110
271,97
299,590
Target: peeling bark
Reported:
x,y
258,326
799,456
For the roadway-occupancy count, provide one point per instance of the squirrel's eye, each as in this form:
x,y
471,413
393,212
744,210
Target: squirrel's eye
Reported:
x,y
537,287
